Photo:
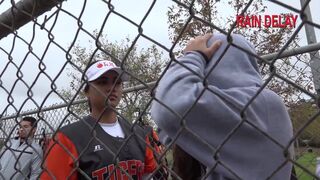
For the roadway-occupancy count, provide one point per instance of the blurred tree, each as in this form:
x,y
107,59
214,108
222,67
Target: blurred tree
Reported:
x,y
301,113
188,19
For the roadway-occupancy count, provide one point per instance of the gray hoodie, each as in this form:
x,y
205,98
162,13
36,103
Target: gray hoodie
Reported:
x,y
19,162
251,146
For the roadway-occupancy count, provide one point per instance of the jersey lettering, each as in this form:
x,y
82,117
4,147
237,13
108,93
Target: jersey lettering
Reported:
x,y
120,172
99,173
111,170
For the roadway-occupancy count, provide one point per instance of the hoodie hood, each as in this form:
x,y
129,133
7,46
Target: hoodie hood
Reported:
x,y
237,68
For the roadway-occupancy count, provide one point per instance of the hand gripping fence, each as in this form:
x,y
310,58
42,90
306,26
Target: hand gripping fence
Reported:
x,y
292,71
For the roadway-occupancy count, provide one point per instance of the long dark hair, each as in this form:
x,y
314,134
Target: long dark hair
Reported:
x,y
185,166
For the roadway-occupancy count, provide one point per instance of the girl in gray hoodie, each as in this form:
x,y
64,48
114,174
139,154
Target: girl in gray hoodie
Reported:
x,y
215,108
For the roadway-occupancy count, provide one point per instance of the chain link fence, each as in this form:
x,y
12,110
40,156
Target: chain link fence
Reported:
x,y
295,75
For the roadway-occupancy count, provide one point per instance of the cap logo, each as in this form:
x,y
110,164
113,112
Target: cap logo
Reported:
x,y
100,65
105,63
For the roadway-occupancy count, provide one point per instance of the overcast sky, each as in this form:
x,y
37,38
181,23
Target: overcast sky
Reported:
x,y
64,31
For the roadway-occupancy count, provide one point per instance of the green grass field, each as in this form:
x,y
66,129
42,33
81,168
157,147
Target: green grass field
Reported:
x,y
308,160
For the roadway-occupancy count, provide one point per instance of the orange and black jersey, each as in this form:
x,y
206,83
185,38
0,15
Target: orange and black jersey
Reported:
x,y
83,150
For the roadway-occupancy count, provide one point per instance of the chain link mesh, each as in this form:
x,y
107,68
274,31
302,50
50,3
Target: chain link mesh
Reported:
x,y
291,72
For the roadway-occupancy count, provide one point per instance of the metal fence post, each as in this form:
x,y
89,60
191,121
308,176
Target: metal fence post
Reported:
x,y
314,56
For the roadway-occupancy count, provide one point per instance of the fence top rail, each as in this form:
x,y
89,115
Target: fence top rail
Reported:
x,y
22,13
293,52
